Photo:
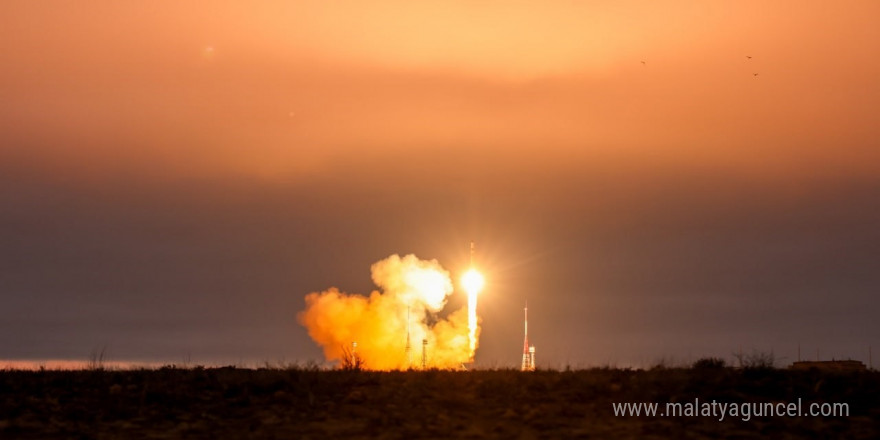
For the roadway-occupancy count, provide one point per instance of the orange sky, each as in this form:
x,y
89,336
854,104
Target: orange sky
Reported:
x,y
283,88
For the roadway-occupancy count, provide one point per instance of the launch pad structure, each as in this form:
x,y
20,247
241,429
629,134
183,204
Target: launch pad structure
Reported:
x,y
409,361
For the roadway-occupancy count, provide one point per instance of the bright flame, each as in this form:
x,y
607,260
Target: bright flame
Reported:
x,y
411,292
473,282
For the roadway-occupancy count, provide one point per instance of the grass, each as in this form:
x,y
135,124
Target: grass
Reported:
x,y
307,402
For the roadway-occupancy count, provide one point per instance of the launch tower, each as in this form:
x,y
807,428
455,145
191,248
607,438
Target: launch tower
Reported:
x,y
528,359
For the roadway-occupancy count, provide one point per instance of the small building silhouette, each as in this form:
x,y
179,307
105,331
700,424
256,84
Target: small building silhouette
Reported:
x,y
829,365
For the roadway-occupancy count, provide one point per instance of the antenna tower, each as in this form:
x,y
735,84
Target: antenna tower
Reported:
x,y
528,359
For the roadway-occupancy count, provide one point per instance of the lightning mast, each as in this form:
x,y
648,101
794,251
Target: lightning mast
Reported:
x,y
408,349
528,359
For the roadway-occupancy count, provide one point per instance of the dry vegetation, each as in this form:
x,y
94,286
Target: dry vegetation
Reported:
x,y
310,403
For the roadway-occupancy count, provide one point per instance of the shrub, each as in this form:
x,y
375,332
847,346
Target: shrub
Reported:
x,y
709,363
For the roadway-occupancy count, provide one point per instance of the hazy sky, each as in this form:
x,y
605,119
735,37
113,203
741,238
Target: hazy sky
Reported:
x,y
176,177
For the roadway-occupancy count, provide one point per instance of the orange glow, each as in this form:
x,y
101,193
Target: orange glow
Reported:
x,y
187,90
67,364
378,323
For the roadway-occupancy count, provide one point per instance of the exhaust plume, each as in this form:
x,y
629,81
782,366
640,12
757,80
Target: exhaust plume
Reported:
x,y
378,322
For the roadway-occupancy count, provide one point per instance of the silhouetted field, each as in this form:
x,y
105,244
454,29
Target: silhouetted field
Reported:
x,y
310,403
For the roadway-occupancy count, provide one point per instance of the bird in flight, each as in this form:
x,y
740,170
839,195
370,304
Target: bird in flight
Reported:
x,y
755,74
749,56
643,63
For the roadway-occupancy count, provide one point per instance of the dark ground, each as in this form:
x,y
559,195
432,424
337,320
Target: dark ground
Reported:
x,y
308,403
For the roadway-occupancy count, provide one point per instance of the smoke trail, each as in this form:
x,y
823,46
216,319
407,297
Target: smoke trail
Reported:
x,y
378,324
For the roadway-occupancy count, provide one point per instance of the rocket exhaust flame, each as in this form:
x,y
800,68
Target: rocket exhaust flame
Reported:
x,y
380,322
472,282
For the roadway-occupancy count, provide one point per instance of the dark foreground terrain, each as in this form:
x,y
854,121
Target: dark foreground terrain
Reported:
x,y
309,403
